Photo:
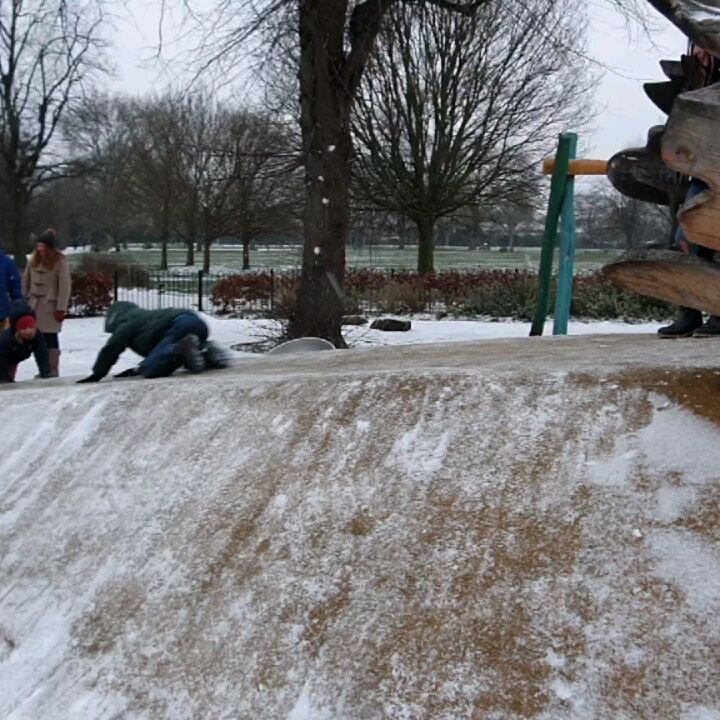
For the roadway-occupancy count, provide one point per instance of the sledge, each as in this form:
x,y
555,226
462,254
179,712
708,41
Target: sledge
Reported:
x,y
302,345
668,275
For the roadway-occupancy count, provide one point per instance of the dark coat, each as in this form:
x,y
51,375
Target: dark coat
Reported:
x,y
18,308
13,351
10,284
134,328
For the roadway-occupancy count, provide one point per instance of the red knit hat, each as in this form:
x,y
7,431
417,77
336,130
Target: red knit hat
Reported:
x,y
25,322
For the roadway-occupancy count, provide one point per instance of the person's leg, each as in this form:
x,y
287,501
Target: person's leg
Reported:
x,y
190,324
681,241
169,354
53,345
162,361
688,319
711,328
193,333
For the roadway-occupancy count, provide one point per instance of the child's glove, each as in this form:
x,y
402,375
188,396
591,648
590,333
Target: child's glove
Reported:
x,y
89,379
60,315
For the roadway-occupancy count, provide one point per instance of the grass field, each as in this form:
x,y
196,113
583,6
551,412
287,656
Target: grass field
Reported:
x,y
228,259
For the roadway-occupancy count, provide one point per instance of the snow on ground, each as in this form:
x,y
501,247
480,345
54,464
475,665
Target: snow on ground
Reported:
x,y
384,537
82,338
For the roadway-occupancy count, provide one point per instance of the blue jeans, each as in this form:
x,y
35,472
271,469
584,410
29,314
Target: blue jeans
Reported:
x,y
163,360
681,242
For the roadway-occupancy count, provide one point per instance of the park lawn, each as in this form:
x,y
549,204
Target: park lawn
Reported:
x,y
229,259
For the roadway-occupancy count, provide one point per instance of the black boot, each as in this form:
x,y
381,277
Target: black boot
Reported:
x,y
687,322
710,329
216,356
188,349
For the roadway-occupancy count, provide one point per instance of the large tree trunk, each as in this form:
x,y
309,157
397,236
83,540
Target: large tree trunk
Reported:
x,y
426,245
164,237
206,255
246,253
511,240
325,123
192,233
190,255
17,226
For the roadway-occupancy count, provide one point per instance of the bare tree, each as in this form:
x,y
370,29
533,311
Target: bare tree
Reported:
x,y
334,41
634,222
456,112
609,219
235,179
265,196
98,135
509,217
154,163
195,136
49,51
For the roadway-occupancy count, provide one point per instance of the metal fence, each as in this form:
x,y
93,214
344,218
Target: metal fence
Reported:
x,y
243,293
262,294
270,293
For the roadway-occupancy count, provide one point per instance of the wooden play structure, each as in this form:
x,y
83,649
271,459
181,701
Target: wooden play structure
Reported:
x,y
686,148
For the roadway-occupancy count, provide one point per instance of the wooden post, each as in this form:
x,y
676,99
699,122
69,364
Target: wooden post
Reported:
x,y
581,166
567,251
557,191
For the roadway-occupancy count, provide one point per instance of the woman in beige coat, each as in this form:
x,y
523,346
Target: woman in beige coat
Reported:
x,y
46,287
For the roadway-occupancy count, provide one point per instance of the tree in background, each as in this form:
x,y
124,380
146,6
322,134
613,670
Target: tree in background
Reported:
x,y
608,219
182,166
49,52
235,178
155,163
334,41
98,135
266,195
456,112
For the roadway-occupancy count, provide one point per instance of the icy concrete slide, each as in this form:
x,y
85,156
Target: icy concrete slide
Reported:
x,y
496,531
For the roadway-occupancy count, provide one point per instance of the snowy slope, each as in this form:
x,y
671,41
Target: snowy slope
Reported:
x,y
82,338
501,530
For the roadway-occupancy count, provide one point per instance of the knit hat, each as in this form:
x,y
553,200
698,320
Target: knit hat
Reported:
x,y
47,238
25,322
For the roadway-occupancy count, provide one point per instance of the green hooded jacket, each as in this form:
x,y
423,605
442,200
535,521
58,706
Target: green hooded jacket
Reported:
x,y
134,328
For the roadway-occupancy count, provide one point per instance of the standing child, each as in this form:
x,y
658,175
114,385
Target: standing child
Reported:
x,y
46,285
19,342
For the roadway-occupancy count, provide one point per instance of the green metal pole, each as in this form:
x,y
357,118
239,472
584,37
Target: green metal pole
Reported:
x,y
557,190
567,251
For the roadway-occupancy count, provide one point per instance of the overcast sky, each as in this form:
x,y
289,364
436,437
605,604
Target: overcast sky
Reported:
x,y
624,113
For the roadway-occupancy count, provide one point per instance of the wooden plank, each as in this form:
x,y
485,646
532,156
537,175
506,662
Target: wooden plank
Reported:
x,y
672,276
577,167
690,146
